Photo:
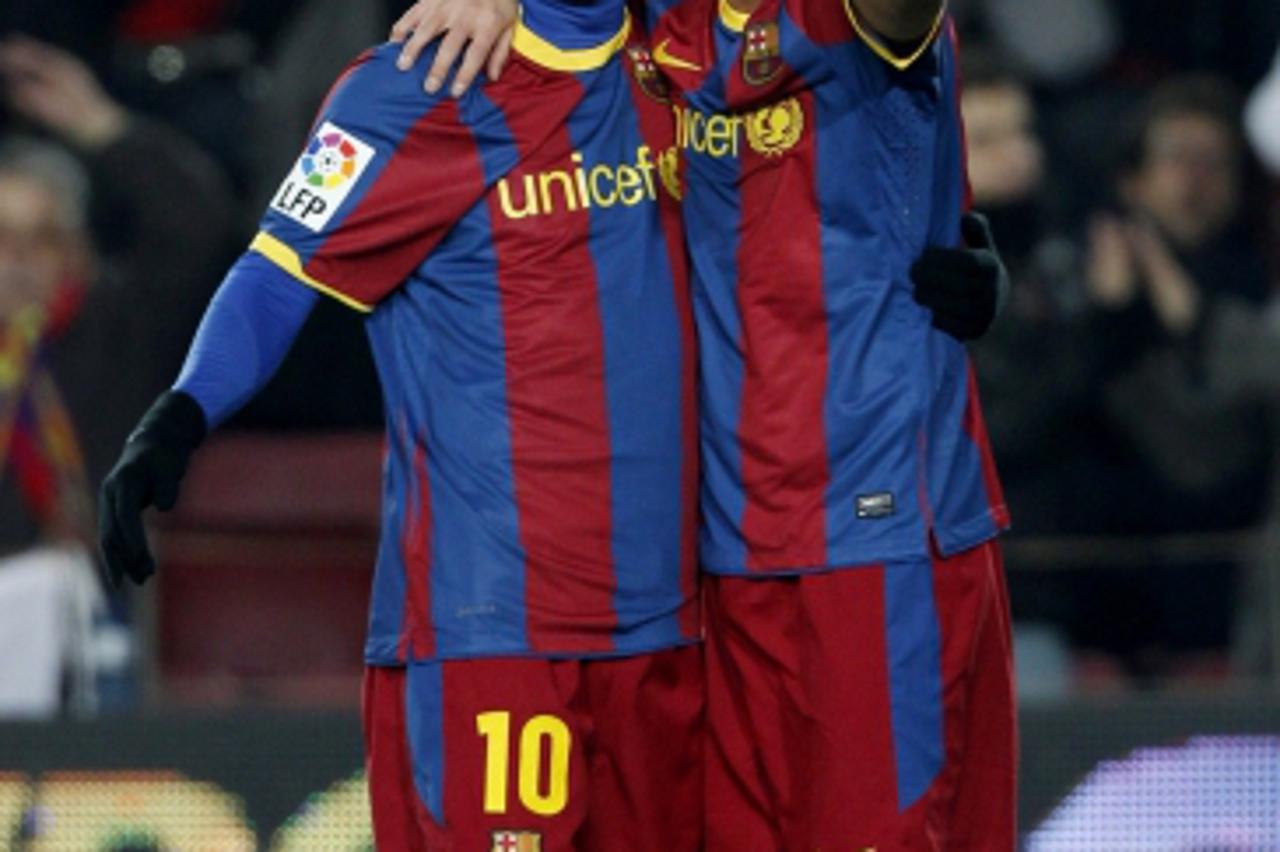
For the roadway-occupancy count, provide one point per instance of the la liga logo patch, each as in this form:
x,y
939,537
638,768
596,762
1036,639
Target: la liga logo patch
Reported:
x,y
330,160
323,177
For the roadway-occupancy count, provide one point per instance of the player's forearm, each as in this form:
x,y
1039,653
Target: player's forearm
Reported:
x,y
903,21
245,334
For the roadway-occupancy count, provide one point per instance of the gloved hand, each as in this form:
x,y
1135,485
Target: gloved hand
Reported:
x,y
966,288
148,473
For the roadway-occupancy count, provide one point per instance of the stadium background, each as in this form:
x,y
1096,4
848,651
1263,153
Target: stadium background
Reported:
x,y
217,707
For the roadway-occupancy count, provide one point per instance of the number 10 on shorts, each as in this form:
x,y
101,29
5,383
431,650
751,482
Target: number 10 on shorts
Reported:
x,y
495,728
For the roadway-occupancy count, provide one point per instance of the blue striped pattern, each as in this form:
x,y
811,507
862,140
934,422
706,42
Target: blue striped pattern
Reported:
x,y
637,330
424,719
713,212
440,343
890,182
914,644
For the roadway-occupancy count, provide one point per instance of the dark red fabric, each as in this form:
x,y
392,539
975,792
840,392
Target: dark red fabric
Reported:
x,y
635,779
157,20
800,748
658,128
982,731
400,820
782,428
37,478
562,474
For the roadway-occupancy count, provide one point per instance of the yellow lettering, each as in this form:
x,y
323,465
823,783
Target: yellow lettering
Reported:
x,y
645,165
721,134
715,135
697,132
580,180
600,197
601,185
495,727
551,801
545,180
629,179
509,210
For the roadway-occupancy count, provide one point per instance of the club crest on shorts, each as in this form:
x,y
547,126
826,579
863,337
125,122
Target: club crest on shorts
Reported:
x,y
648,77
775,129
761,59
506,840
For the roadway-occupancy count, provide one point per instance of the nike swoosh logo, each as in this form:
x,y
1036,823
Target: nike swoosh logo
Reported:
x,y
663,57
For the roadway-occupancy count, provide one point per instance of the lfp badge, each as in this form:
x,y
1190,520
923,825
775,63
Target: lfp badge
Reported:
x,y
323,177
330,160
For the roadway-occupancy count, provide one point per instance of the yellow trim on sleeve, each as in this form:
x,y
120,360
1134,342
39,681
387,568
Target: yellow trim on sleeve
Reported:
x,y
878,47
287,259
732,18
528,43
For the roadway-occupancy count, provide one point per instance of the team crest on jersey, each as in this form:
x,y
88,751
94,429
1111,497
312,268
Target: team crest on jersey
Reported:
x,y
775,129
506,840
647,75
323,177
762,57
669,171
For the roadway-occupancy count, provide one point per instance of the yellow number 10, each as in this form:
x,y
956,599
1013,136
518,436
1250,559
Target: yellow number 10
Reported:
x,y
495,727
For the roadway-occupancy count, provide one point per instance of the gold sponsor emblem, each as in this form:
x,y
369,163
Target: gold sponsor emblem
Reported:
x,y
775,129
761,59
669,171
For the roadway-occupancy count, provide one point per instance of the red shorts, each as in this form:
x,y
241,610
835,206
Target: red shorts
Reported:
x,y
865,708
536,755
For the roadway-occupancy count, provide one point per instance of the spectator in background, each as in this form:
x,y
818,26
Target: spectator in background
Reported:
x,y
1032,372
242,80
92,325
1030,366
1175,252
1167,274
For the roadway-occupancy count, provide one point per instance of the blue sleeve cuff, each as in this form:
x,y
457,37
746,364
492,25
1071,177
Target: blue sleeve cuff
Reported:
x,y
244,336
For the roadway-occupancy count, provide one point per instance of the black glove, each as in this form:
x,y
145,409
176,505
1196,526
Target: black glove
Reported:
x,y
966,288
149,472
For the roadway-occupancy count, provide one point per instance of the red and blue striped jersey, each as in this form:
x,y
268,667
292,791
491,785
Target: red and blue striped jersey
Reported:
x,y
838,427
529,315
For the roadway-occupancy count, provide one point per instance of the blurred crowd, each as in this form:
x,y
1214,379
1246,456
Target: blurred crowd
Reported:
x,y
1128,156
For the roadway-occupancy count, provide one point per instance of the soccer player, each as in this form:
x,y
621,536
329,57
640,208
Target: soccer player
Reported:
x,y
858,650
533,676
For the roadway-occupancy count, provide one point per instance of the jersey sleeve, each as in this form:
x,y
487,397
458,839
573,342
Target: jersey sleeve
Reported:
x,y
386,173
884,48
